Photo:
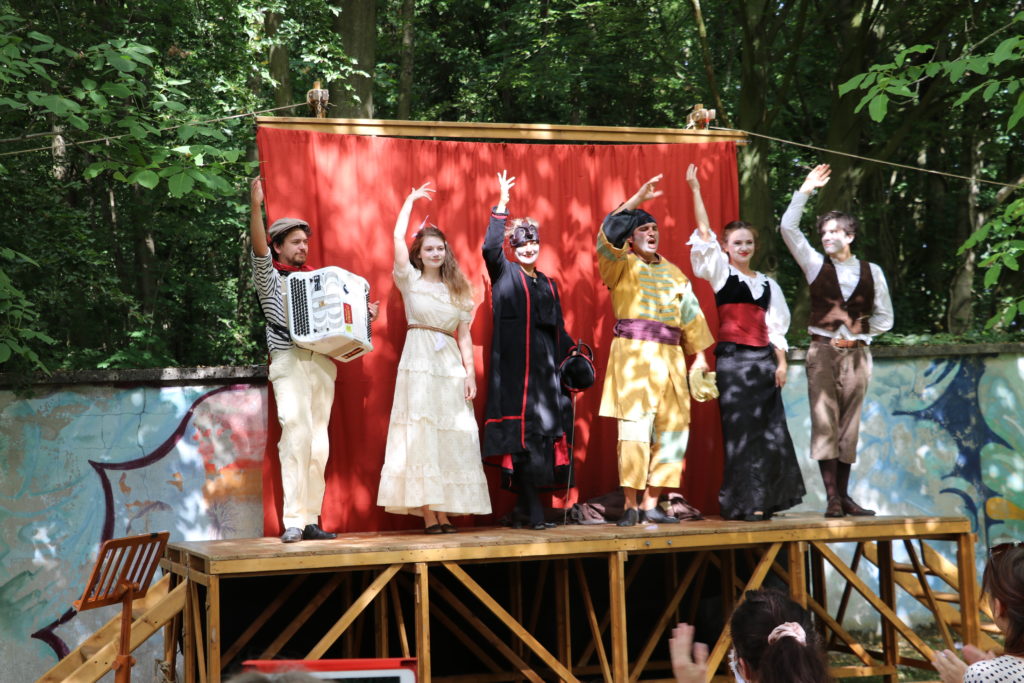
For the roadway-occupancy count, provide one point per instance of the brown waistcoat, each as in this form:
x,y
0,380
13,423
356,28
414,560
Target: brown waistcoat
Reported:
x,y
828,308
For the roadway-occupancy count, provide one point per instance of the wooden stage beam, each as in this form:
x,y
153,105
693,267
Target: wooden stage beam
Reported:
x,y
522,132
606,560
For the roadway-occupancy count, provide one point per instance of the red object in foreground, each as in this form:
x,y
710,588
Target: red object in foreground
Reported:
x,y
388,670
350,189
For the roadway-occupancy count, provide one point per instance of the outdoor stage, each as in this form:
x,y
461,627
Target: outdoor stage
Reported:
x,y
573,603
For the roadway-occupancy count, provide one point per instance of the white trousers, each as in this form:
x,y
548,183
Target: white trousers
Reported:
x,y
304,390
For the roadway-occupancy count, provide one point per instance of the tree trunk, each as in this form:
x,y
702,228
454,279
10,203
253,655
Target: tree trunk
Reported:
x,y
405,73
357,26
960,313
709,68
278,62
754,166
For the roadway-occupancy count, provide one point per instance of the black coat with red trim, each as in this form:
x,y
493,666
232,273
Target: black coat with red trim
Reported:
x,y
525,396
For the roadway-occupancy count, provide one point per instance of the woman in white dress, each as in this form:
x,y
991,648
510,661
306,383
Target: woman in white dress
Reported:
x,y
432,465
1003,583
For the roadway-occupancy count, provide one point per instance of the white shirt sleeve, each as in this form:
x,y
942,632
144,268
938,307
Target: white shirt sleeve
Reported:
x,y
708,260
777,318
882,315
806,257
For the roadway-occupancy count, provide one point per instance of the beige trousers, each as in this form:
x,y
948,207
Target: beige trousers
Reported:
x,y
837,380
304,391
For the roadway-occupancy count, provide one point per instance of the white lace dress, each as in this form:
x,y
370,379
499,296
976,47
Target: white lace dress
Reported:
x,y
433,447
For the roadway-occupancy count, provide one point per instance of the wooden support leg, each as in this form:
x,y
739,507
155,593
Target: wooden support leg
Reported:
x,y
562,621
968,588
617,608
403,633
382,624
797,555
422,592
213,629
188,634
887,592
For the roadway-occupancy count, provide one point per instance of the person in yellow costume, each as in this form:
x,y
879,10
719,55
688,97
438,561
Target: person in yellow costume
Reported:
x,y
658,322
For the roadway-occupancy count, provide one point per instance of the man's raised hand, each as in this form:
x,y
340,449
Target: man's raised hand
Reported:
x,y
818,177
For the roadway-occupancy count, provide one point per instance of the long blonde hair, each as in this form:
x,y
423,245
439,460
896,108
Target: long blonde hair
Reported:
x,y
452,276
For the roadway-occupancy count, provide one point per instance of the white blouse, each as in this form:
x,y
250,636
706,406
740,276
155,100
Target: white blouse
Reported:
x,y
712,264
1005,669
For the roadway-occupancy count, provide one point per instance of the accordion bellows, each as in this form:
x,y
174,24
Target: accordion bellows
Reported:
x,y
328,312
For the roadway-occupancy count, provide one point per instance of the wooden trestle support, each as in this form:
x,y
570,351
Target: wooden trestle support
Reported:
x,y
582,581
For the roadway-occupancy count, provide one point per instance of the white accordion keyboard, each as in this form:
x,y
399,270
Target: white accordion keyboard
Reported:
x,y
328,312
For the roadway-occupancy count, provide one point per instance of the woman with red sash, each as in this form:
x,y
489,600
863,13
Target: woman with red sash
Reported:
x,y
762,475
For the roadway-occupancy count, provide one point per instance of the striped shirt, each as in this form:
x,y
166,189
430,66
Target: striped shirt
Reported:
x,y
270,289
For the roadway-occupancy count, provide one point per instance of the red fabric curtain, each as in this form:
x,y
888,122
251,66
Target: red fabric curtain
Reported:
x,y
350,188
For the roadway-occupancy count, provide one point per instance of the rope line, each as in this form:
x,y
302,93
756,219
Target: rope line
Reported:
x,y
783,141
872,160
161,130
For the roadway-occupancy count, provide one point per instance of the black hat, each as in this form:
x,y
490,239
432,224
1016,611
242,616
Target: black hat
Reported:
x,y
577,370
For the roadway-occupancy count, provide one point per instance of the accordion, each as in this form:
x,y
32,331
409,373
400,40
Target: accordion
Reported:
x,y
328,312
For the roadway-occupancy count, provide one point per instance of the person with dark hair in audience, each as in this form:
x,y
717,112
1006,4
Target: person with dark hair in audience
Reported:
x,y
280,677
1003,584
773,642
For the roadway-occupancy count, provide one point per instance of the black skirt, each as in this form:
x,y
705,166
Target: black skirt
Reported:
x,y
761,469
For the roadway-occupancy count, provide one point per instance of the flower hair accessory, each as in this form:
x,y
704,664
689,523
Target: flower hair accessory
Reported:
x,y
423,223
790,629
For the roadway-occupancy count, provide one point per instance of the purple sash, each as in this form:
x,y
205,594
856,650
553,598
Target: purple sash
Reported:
x,y
647,330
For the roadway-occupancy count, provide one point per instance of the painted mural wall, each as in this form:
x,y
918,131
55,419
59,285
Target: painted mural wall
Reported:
x,y
84,462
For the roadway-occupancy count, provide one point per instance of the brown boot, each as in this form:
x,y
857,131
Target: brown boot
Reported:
x,y
828,478
851,508
842,483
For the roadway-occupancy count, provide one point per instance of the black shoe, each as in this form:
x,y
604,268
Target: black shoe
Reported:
x,y
433,529
313,532
851,508
755,517
629,517
834,507
657,516
291,535
449,528
540,526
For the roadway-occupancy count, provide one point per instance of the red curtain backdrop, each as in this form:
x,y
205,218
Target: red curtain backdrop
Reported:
x,y
350,189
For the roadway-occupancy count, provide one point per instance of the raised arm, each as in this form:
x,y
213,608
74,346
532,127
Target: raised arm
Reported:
x,y
806,256
505,185
402,225
494,239
645,193
700,214
257,233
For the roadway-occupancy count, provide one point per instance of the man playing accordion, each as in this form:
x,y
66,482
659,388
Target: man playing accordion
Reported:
x,y
303,380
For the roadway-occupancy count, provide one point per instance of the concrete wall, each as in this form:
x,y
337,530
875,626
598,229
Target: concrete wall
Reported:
x,y
97,455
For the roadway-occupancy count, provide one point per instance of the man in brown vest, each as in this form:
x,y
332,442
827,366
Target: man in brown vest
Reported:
x,y
850,304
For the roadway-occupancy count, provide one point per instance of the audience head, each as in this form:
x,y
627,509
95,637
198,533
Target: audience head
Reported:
x,y
774,641
1003,583
281,677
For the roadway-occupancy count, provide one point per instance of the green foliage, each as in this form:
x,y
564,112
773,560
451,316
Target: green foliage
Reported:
x,y
977,74
996,78
18,317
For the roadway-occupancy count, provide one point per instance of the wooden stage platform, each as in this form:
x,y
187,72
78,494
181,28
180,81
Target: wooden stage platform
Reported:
x,y
575,603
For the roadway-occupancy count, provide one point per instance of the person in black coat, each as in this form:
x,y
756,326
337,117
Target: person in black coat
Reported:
x,y
528,413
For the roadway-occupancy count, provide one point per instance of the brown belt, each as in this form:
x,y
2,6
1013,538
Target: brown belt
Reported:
x,y
838,343
432,329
